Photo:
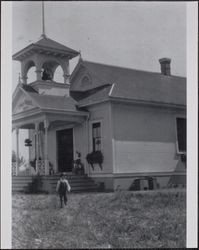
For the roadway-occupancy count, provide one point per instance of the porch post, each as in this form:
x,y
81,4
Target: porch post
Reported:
x,y
38,73
66,78
46,124
37,146
17,151
66,74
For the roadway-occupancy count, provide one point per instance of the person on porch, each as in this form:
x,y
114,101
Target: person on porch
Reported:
x,y
62,187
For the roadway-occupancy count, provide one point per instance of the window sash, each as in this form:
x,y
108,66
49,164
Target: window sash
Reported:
x,y
96,136
181,134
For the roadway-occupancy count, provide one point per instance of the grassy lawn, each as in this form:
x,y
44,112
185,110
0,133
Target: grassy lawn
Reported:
x,y
150,219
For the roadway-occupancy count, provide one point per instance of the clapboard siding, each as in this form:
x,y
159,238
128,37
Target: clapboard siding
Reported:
x,y
144,139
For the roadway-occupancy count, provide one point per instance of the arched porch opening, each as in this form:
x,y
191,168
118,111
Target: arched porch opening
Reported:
x,y
52,71
58,75
31,76
31,72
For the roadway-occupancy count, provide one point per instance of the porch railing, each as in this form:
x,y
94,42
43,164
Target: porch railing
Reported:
x,y
41,167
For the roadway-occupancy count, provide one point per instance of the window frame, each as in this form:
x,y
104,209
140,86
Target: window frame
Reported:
x,y
176,133
91,133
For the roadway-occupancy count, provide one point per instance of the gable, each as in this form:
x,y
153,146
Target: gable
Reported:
x,y
22,102
82,79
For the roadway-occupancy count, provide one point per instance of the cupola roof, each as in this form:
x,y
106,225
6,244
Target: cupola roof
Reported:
x,y
46,46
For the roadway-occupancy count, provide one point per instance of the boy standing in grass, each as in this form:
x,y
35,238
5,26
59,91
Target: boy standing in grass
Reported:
x,y
62,187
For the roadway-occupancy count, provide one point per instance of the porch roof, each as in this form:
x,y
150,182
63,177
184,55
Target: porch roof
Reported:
x,y
57,110
65,103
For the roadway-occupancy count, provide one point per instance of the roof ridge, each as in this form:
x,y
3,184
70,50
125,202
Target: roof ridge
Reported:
x,y
127,68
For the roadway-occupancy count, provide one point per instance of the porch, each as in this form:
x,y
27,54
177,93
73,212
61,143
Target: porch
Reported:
x,y
44,140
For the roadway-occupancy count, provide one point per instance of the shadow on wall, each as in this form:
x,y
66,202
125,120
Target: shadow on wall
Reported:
x,y
175,181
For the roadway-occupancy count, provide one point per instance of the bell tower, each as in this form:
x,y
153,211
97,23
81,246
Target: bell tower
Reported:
x,y
45,55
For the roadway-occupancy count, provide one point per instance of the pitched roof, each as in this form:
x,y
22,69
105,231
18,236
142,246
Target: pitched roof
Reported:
x,y
156,89
46,44
138,85
79,95
100,96
54,102
28,88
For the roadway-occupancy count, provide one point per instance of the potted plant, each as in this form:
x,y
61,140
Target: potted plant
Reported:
x,y
78,166
95,157
33,163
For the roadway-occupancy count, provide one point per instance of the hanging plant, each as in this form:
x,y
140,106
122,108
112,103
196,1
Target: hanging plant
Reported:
x,y
95,157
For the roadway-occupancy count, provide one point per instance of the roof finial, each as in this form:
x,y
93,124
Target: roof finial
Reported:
x,y
43,35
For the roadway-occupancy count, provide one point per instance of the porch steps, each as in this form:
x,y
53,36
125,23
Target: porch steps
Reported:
x,y
20,183
78,183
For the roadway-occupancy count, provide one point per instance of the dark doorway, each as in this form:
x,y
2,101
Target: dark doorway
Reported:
x,y
65,150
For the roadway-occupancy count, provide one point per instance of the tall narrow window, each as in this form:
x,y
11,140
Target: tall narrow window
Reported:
x,y
181,134
96,134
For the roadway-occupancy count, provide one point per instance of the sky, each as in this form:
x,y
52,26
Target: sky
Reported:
x,y
127,34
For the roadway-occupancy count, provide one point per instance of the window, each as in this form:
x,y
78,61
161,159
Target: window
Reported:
x,y
96,135
181,134
86,80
